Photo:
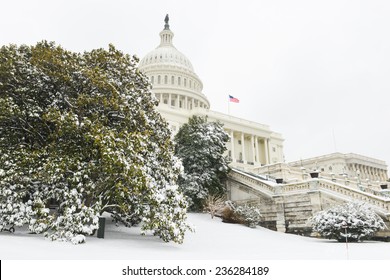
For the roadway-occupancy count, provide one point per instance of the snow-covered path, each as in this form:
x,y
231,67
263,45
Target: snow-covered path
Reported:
x,y
212,240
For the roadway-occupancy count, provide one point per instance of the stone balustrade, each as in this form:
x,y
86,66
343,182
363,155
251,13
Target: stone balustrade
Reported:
x,y
269,188
253,182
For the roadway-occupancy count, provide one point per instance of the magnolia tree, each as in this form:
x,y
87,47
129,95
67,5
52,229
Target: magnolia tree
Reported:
x,y
82,131
351,221
201,146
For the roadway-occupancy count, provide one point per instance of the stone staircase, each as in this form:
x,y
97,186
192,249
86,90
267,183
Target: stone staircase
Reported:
x,y
287,207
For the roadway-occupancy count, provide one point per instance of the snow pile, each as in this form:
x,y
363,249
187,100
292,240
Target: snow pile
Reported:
x,y
212,240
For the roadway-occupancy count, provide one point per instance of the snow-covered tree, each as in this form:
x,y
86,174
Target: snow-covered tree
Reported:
x,y
82,131
201,145
354,221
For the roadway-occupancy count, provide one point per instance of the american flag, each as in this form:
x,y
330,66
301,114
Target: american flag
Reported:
x,y
233,99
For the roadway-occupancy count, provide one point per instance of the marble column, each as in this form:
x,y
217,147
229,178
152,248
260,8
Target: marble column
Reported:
x,y
232,145
243,147
257,149
252,148
266,151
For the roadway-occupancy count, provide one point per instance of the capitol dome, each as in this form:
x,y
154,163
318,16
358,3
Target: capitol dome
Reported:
x,y
172,75
167,54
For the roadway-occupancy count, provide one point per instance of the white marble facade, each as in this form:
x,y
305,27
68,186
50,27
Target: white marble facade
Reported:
x,y
179,90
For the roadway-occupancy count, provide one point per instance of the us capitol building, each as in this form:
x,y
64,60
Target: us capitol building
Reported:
x,y
179,90
253,147
287,194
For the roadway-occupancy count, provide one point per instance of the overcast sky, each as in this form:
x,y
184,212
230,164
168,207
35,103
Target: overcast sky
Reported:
x,y
316,71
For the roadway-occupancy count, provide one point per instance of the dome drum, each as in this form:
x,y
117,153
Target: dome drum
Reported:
x,y
171,72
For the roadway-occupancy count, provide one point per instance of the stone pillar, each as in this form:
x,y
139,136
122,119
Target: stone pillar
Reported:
x,y
169,99
232,145
315,201
186,103
243,147
266,151
257,149
280,217
253,148
315,196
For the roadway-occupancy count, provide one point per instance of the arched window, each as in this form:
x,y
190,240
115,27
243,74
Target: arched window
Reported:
x,y
165,79
159,79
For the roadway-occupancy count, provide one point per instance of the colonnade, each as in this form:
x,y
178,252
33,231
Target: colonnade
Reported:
x,y
180,101
248,148
368,172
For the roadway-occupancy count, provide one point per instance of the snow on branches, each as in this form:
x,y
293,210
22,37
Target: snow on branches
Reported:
x,y
353,221
201,145
81,131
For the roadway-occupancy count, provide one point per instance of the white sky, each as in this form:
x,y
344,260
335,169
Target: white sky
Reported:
x,y
315,71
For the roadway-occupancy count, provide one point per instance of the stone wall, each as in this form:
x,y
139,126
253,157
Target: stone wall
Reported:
x,y
289,207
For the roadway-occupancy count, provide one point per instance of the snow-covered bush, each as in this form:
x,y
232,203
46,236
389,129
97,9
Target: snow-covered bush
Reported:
x,y
250,214
353,221
83,130
201,145
246,214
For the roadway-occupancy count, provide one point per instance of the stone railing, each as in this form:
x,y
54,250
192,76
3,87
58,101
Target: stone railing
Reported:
x,y
280,170
343,192
295,187
382,203
251,181
218,115
292,173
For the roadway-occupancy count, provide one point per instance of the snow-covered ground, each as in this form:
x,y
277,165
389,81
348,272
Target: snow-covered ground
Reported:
x,y
212,240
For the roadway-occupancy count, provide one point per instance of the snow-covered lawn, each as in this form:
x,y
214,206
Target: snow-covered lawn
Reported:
x,y
212,240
